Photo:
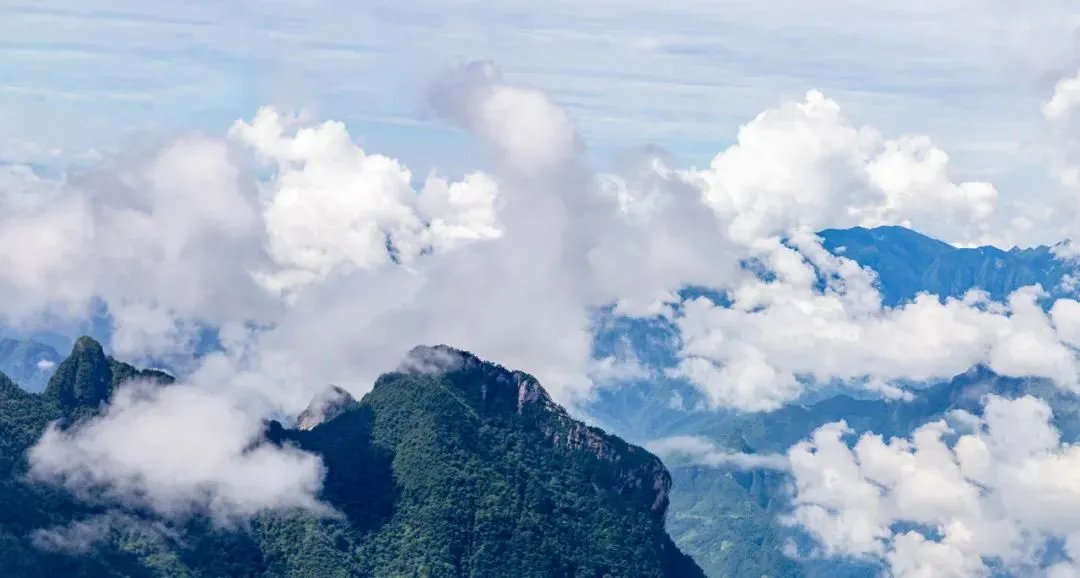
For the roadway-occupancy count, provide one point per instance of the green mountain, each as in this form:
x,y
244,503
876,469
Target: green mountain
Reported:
x,y
730,521
463,468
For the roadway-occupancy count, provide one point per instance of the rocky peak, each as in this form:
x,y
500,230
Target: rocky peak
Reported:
x,y
492,387
497,392
84,379
328,405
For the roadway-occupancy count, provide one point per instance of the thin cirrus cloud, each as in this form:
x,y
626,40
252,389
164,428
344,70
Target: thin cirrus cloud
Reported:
x,y
682,75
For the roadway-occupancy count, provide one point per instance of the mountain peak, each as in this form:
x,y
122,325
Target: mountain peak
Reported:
x,y
89,345
88,377
488,392
479,463
326,406
436,359
489,387
84,379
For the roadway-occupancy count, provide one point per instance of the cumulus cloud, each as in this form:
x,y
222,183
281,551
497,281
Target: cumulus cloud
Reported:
x,y
369,265
393,266
320,262
702,451
805,164
1066,98
529,131
782,336
332,207
656,237
164,239
951,500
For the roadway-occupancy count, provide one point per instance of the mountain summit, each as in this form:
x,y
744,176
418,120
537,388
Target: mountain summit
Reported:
x,y
88,377
908,262
450,466
455,466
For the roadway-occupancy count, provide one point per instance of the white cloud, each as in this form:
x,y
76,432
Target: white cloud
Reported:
x,y
702,451
913,174
172,232
654,238
1065,99
510,265
187,237
529,131
805,165
622,366
1060,114
333,208
943,502
461,211
179,450
783,337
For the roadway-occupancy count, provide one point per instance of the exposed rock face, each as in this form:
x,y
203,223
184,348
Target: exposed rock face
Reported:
x,y
478,472
328,405
495,389
529,391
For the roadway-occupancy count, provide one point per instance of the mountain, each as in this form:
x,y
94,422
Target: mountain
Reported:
x,y
908,262
325,407
729,521
75,390
456,467
87,378
27,362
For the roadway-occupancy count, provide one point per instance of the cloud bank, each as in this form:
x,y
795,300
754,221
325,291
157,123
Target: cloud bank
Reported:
x,y
178,451
956,499
318,262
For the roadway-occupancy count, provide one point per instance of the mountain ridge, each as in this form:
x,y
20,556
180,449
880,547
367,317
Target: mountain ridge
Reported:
x,y
450,467
908,262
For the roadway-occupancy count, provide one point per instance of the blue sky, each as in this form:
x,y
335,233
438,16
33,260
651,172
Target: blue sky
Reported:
x,y
112,74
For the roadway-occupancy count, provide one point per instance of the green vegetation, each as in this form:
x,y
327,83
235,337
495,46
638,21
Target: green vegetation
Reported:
x,y
472,472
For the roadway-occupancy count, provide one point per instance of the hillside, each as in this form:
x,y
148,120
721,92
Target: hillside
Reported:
x,y
461,469
729,521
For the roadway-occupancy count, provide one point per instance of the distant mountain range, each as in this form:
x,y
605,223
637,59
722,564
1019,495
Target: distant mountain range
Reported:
x,y
728,520
908,263
29,363
468,470
473,470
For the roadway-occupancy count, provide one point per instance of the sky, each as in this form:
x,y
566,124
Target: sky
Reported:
x,y
323,186
78,77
